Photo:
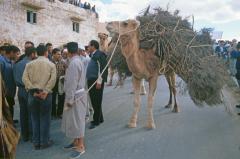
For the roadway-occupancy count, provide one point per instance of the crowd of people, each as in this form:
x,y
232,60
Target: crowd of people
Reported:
x,y
229,51
226,50
78,3
55,83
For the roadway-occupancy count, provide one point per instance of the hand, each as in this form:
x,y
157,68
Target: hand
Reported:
x,y
98,86
37,95
43,95
69,105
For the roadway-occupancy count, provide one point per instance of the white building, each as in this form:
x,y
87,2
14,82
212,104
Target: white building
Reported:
x,y
42,21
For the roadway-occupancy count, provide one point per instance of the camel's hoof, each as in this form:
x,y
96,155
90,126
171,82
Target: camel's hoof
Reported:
x,y
168,106
175,110
150,126
132,125
143,93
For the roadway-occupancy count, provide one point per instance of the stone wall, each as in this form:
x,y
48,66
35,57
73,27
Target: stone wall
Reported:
x,y
54,23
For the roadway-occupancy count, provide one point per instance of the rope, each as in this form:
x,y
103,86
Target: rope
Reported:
x,y
113,52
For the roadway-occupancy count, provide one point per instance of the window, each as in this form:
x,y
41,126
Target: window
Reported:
x,y
76,27
31,17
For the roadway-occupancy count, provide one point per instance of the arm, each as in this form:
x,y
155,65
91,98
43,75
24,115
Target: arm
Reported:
x,y
71,83
26,79
52,80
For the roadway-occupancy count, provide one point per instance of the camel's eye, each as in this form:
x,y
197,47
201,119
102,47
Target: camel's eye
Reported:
x,y
125,23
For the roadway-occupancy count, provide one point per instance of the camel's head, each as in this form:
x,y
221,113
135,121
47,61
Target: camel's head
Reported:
x,y
102,36
122,27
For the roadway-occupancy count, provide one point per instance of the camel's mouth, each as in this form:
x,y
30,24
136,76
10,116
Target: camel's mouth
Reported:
x,y
111,30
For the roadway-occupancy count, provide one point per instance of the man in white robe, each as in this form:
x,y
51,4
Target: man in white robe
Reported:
x,y
75,107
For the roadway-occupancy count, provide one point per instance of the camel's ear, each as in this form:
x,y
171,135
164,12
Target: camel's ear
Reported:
x,y
137,23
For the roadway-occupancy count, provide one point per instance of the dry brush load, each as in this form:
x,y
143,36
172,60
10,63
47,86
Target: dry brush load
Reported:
x,y
187,52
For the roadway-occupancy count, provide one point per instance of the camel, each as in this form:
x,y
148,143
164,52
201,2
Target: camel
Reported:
x,y
108,47
104,47
103,42
144,64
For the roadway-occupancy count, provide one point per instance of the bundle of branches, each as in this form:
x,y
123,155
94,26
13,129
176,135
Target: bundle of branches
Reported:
x,y
9,137
118,61
187,52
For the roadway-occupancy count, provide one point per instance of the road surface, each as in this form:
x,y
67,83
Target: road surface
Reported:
x,y
194,133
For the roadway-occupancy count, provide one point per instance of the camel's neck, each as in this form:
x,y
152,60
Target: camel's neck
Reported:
x,y
103,45
130,44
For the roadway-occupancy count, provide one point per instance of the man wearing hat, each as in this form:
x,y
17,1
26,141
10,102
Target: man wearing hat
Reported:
x,y
75,107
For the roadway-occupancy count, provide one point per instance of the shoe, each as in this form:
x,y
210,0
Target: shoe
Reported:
x,y
92,126
237,106
76,154
49,144
239,114
15,121
70,146
36,147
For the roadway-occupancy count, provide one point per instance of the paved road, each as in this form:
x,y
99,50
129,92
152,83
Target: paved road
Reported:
x,y
194,133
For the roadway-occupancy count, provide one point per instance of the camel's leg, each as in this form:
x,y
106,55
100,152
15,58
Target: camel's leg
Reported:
x,y
168,78
137,100
121,76
152,90
174,91
111,73
118,82
120,79
143,89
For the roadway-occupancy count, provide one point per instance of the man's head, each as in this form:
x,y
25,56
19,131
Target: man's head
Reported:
x,y
56,54
93,46
49,47
31,53
81,52
28,44
12,52
3,50
72,48
238,46
64,53
42,50
221,43
234,40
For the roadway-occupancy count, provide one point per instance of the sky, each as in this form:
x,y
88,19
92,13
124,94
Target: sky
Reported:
x,y
222,15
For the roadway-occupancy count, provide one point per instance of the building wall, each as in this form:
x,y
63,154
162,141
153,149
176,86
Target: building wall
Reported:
x,y
54,23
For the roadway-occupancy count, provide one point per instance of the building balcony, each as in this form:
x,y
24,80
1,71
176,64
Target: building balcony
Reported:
x,y
33,4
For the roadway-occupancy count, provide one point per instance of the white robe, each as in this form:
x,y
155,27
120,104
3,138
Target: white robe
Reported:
x,y
73,122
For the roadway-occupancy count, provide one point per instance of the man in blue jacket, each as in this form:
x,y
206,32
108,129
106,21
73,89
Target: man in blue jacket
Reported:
x,y
6,64
25,116
96,65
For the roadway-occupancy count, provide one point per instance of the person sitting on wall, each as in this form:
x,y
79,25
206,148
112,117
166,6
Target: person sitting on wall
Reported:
x,y
94,8
88,6
85,5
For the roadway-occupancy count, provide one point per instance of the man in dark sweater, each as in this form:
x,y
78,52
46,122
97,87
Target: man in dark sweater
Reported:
x,y
98,59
